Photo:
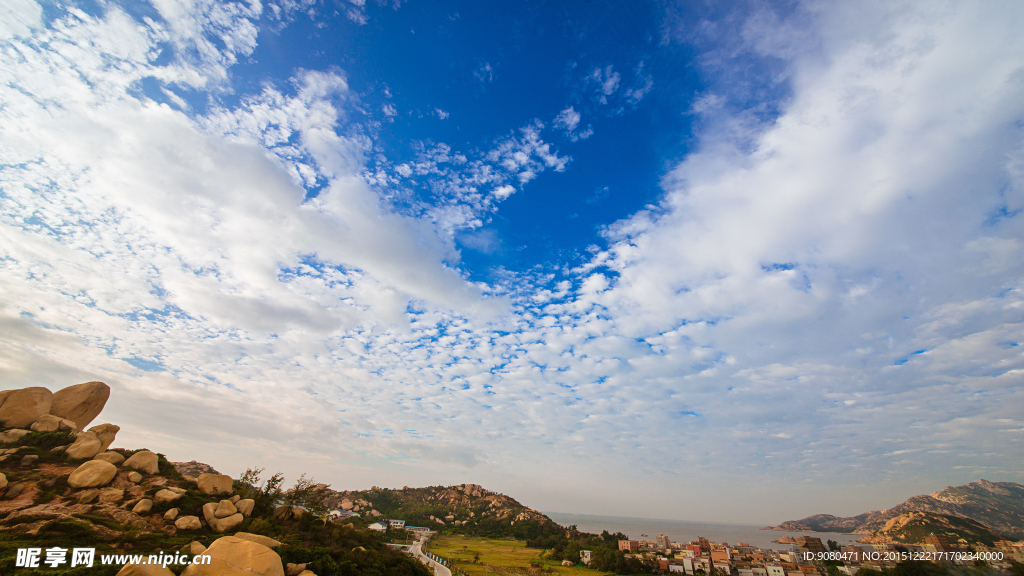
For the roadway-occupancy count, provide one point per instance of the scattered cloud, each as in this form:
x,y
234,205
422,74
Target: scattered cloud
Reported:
x,y
279,282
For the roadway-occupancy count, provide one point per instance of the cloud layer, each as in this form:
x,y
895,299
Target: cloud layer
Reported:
x,y
825,296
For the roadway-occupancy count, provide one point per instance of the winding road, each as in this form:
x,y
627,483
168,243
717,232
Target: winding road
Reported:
x,y
417,551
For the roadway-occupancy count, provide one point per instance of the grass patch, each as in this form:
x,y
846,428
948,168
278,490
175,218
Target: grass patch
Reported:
x,y
482,555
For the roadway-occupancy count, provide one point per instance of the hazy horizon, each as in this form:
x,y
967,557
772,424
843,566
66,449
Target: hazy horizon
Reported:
x,y
734,262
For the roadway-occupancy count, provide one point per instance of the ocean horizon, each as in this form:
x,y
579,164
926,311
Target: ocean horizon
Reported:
x,y
685,531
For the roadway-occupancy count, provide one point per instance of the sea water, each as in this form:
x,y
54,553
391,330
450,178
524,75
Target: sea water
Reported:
x,y
681,531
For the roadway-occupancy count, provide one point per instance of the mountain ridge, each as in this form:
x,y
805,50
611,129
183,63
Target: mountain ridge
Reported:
x,y
999,506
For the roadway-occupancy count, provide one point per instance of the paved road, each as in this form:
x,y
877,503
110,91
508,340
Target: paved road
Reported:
x,y
417,551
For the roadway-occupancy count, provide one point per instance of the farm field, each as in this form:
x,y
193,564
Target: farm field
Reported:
x,y
499,557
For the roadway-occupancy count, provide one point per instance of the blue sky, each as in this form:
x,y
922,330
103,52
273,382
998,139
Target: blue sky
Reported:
x,y
768,253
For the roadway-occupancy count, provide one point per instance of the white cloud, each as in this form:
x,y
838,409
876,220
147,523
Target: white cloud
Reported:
x,y
814,292
567,119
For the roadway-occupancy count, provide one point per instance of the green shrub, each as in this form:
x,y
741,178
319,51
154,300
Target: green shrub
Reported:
x,y
45,440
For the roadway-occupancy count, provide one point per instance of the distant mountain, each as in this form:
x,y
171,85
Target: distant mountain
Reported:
x,y
999,506
913,527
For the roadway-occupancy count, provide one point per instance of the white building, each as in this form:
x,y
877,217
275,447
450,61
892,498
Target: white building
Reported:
x,y
378,527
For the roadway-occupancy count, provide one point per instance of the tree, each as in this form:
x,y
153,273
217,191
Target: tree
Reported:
x,y
833,546
266,495
309,495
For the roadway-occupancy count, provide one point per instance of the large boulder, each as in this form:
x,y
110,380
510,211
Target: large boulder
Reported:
x,y
222,525
143,461
225,509
12,435
188,523
143,507
168,495
3,481
91,474
20,408
106,433
214,484
81,403
232,556
114,458
245,506
265,540
144,570
51,423
87,445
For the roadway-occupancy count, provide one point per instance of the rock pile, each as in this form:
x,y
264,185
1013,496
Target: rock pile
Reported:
x,y
73,407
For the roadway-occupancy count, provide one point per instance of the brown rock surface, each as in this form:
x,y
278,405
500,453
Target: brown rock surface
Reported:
x,y
91,474
214,484
266,541
225,509
167,495
111,495
232,555
20,408
143,461
106,433
80,403
51,423
87,445
222,525
143,507
245,506
12,435
114,458
188,523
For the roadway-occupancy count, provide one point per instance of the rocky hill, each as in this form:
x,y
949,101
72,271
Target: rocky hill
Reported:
x,y
63,487
998,506
465,509
193,469
913,527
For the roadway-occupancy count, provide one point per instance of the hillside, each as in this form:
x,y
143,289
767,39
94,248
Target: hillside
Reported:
x,y
999,506
913,527
62,485
463,509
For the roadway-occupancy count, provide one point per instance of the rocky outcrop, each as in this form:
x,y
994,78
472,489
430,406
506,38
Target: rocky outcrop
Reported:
x,y
168,495
51,423
20,408
215,484
245,506
106,433
114,458
92,473
143,507
193,469
221,524
188,523
14,435
231,555
81,403
143,461
225,509
87,445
